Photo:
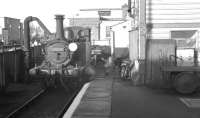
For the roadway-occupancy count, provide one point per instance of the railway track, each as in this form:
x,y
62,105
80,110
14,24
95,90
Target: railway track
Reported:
x,y
46,104
11,114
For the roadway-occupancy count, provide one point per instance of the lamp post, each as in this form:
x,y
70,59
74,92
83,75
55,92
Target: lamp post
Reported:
x,y
113,32
1,35
113,42
19,29
99,27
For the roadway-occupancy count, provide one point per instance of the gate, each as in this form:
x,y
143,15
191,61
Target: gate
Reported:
x,y
158,55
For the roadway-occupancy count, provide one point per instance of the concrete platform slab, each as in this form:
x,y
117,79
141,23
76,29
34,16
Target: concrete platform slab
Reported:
x,y
102,84
99,89
94,108
91,117
101,95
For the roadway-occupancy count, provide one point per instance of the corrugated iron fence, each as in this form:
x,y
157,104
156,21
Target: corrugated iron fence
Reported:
x,y
12,65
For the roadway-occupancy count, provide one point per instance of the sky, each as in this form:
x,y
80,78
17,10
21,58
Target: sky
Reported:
x,y
46,9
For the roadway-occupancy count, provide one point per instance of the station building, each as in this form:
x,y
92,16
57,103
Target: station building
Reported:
x,y
10,30
160,29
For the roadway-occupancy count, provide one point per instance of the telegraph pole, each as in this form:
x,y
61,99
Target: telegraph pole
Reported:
x,y
142,39
113,32
142,29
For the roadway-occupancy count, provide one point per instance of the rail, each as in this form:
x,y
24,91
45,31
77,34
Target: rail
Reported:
x,y
13,113
46,96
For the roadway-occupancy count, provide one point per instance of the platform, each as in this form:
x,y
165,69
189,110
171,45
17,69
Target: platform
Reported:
x,y
110,97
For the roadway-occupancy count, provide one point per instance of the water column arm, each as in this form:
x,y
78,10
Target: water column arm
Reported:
x,y
27,41
27,37
46,31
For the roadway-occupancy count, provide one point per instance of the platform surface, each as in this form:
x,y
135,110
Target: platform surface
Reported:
x,y
111,97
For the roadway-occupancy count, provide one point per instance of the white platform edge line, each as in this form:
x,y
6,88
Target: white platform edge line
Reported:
x,y
183,101
76,101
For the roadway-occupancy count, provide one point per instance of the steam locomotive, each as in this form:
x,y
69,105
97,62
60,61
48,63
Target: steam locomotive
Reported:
x,y
67,57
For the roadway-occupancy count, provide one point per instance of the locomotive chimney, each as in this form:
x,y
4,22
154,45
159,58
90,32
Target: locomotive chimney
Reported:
x,y
59,27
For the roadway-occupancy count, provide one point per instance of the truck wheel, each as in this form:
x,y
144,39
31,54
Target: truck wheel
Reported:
x,y
185,83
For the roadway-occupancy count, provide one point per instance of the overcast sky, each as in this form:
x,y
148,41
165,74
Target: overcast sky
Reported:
x,y
46,9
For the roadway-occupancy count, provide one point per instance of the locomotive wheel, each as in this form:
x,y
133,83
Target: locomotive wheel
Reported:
x,y
185,83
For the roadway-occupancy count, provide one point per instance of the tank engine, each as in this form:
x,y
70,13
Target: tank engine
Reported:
x,y
66,57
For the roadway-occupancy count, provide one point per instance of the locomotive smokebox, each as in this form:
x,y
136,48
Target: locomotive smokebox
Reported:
x,y
59,27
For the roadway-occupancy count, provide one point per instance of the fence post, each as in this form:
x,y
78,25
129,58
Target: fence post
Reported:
x,y
4,79
15,64
2,70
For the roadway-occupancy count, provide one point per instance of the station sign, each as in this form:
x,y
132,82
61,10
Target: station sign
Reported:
x,y
104,13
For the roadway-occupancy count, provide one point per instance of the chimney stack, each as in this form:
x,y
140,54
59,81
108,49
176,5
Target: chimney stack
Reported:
x,y
59,27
